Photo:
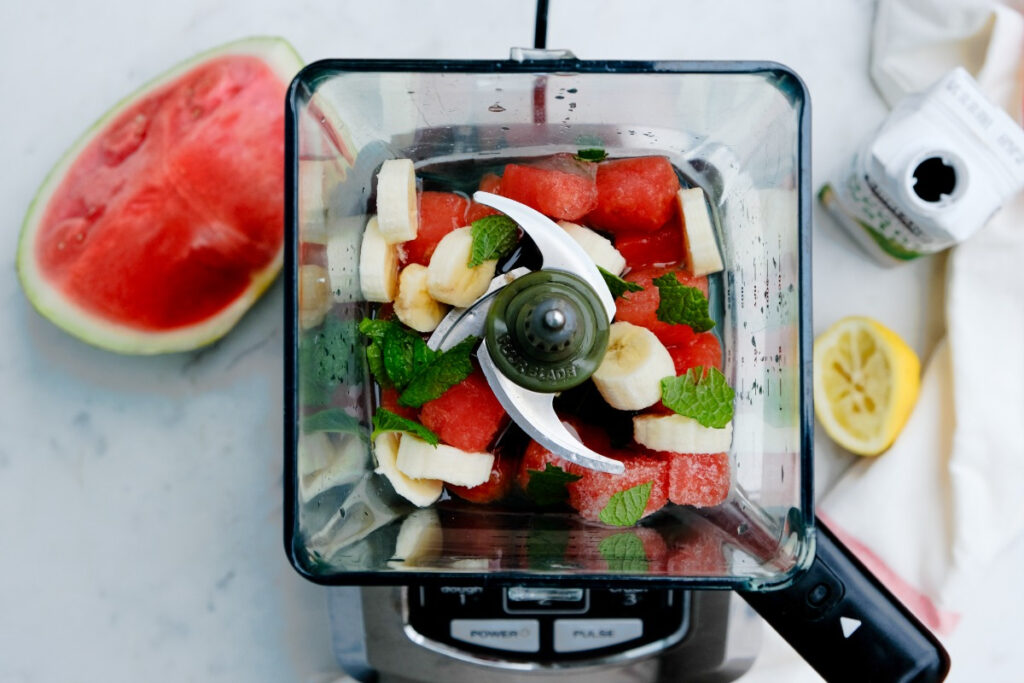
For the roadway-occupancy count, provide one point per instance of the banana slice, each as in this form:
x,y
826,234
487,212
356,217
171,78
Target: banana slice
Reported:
x,y
420,539
598,248
629,377
413,305
701,250
680,434
314,295
418,459
420,492
396,201
449,278
378,265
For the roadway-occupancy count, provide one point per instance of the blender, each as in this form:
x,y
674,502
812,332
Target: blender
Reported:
x,y
467,592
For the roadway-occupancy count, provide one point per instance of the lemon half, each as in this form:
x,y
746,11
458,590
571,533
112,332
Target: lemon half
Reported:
x,y
866,381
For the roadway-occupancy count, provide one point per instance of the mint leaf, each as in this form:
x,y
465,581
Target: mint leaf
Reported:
x,y
331,420
616,285
702,393
375,329
592,154
682,304
395,353
493,237
625,508
328,356
624,553
375,359
443,372
547,486
386,421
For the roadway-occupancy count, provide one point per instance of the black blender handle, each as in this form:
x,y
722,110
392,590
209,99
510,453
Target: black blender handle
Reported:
x,y
845,623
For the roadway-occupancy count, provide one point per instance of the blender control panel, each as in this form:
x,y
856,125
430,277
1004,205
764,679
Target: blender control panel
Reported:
x,y
545,624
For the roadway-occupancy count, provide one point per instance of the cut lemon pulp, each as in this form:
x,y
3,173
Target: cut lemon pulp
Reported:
x,y
866,381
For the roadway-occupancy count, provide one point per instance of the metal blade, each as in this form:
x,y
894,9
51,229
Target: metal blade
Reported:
x,y
559,251
535,414
462,322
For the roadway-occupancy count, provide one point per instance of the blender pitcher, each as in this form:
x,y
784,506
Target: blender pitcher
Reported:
x,y
740,131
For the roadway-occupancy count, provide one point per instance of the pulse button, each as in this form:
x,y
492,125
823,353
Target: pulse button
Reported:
x,y
577,635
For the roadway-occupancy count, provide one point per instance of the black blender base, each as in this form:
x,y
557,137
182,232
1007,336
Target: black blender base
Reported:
x,y
456,634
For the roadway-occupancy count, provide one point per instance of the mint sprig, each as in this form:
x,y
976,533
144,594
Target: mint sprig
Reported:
x,y
702,394
624,553
395,354
625,508
616,285
493,237
592,154
440,374
681,304
548,486
386,421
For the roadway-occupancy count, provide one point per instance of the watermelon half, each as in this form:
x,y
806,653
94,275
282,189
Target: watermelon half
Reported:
x,y
164,222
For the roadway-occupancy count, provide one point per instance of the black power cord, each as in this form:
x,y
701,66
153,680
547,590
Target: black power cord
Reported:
x,y
540,26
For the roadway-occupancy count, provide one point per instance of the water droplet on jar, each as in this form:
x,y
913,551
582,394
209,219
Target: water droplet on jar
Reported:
x,y
496,108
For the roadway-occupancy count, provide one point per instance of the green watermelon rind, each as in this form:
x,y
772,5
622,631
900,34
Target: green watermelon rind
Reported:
x,y
53,305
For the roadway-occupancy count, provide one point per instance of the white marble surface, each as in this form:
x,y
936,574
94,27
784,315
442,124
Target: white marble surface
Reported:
x,y
140,498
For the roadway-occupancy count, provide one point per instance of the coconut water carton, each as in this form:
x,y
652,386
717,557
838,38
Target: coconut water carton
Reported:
x,y
938,168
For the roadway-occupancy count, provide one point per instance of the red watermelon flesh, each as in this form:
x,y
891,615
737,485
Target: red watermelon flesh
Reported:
x,y
643,249
120,237
634,194
389,401
704,350
440,213
640,308
698,479
467,416
536,459
489,183
594,489
559,187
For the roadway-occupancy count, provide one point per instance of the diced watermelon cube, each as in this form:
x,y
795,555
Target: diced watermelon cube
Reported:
x,y
594,490
489,183
440,213
703,350
634,194
640,308
559,187
643,249
698,479
389,401
467,416
536,457
503,475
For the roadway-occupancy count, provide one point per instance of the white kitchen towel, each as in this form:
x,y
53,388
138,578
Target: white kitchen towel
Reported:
x,y
931,514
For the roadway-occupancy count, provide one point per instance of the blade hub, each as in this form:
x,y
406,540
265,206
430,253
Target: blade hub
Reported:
x,y
547,331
